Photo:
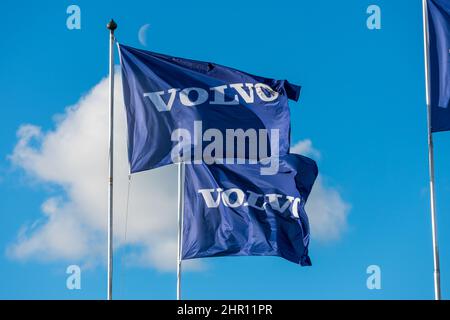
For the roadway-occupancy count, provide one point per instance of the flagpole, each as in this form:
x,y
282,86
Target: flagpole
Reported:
x,y
111,27
437,276
180,224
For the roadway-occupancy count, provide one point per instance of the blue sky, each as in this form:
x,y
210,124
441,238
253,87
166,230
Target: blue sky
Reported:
x,y
362,106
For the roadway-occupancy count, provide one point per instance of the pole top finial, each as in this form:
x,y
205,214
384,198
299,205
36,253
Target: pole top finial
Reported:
x,y
112,25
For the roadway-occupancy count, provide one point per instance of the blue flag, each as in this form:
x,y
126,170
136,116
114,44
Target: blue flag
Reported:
x,y
182,110
232,210
439,38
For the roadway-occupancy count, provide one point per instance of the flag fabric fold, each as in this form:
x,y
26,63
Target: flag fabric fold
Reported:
x,y
232,210
439,59
164,93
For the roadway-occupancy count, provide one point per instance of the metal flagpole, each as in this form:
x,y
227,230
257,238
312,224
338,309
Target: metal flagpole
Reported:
x,y
437,277
111,26
180,224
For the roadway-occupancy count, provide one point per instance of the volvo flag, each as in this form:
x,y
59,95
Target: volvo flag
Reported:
x,y
232,210
182,110
439,52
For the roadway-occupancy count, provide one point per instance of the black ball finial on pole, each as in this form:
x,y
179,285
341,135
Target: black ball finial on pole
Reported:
x,y
112,25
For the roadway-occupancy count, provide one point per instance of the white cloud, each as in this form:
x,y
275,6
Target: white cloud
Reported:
x,y
74,157
327,211
305,147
